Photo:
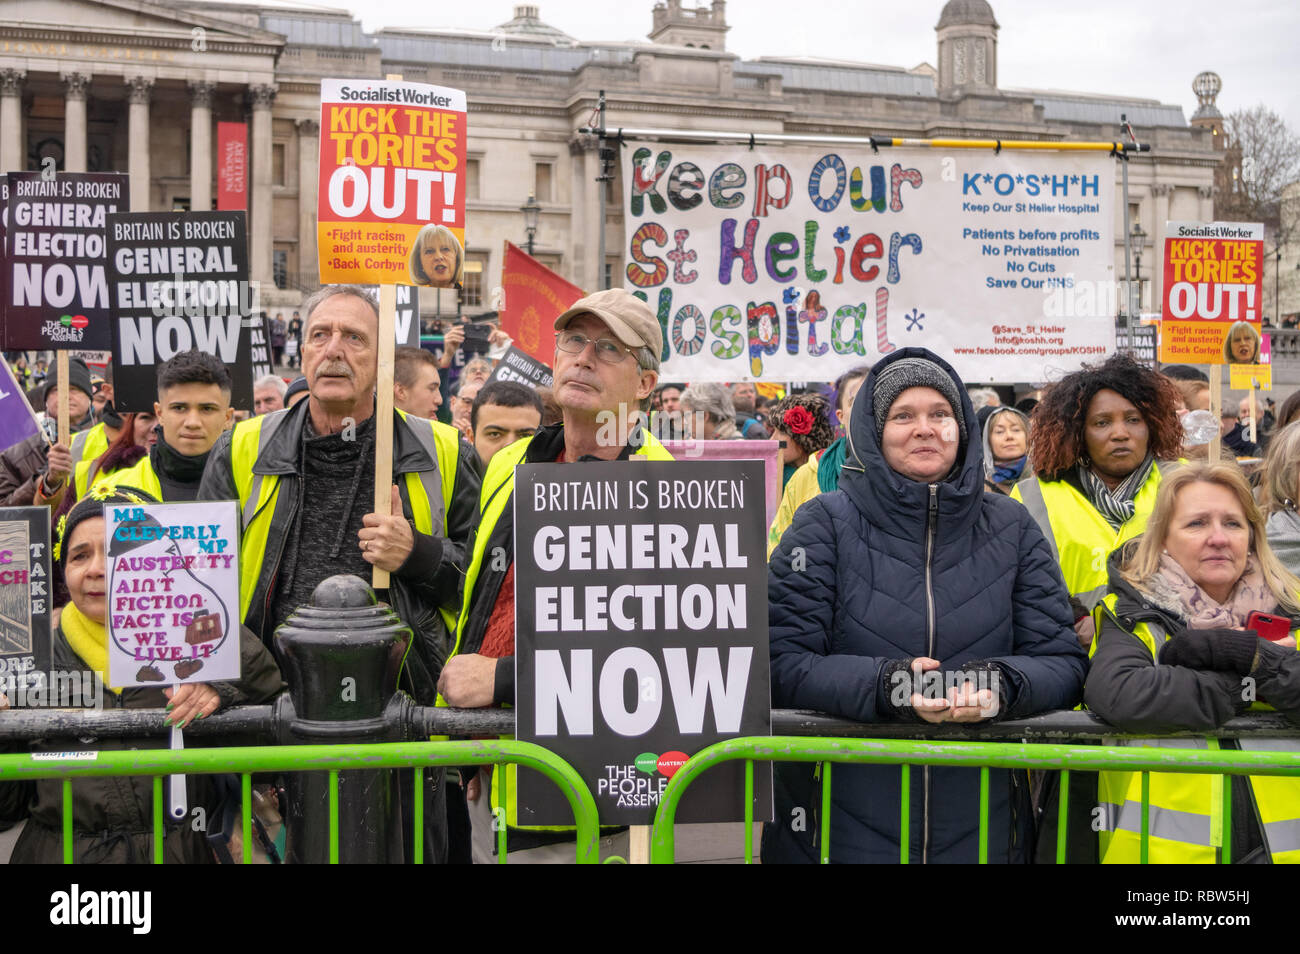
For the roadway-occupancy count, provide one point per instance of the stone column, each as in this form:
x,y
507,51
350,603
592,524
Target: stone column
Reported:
x,y
259,244
582,216
12,157
139,89
76,87
1160,191
201,146
308,188
1206,194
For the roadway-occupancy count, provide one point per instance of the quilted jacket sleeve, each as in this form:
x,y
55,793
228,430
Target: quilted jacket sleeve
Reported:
x,y
806,673
1047,666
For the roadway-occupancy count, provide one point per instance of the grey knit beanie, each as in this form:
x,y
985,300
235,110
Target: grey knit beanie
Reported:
x,y
897,376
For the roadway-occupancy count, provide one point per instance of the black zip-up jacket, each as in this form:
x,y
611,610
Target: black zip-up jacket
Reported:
x,y
430,577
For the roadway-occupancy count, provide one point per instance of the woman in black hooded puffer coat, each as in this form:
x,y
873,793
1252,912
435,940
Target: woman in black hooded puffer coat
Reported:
x,y
910,566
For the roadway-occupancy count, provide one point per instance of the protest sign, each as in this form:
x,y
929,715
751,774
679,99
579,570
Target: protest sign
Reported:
x,y
58,277
259,335
1244,377
768,452
533,297
179,281
172,592
801,263
232,167
1139,341
516,365
24,601
392,192
17,419
640,631
406,321
1213,288
4,251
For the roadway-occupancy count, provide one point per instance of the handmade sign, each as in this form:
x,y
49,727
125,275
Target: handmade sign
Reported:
x,y
173,592
57,259
801,263
24,602
179,281
1213,290
392,183
640,631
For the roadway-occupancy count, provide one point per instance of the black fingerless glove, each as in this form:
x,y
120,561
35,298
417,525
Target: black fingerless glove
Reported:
x,y
1212,650
894,690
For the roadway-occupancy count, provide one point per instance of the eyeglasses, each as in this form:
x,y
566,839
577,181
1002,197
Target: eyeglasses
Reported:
x,y
575,342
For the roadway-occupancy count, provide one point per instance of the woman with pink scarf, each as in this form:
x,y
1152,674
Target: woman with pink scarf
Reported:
x,y
1181,646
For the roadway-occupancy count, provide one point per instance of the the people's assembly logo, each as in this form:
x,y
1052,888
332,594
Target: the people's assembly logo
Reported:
x,y
641,783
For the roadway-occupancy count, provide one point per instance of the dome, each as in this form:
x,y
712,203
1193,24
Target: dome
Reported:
x,y
966,13
527,22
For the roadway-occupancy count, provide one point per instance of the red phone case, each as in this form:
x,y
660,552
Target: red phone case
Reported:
x,y
1269,627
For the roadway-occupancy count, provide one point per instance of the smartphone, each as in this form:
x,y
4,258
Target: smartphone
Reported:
x,y
1269,627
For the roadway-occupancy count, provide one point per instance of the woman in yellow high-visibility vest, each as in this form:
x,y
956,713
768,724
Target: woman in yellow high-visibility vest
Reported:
x,y
1178,648
1101,436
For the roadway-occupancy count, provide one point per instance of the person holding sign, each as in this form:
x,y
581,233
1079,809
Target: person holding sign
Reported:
x,y
437,260
304,478
112,818
35,466
1241,344
912,595
606,365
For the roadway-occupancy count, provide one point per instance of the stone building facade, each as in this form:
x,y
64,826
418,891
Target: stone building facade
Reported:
x,y
136,86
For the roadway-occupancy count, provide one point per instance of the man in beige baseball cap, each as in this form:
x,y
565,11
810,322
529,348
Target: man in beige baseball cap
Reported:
x,y
606,364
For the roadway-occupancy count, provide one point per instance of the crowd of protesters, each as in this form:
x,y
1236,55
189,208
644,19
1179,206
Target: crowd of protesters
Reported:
x,y
1078,547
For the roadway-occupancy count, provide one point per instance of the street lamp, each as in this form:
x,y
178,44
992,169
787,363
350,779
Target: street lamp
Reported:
x,y
531,209
1137,235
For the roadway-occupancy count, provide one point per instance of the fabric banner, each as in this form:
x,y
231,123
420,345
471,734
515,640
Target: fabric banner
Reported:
x,y
173,580
17,419
392,183
1213,293
179,281
25,606
801,263
640,631
57,259
534,297
232,167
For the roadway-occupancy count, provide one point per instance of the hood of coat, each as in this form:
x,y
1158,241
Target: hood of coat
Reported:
x,y
989,462
894,502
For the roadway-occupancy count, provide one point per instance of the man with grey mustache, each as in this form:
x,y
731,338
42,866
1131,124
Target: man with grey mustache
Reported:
x,y
305,480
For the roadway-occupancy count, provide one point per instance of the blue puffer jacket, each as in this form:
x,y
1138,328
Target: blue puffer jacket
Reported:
x,y
858,596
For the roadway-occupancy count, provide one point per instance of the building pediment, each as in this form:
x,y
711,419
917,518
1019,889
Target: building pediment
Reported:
x,y
137,22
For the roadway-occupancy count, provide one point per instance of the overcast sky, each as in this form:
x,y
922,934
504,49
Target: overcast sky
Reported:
x,y
1148,49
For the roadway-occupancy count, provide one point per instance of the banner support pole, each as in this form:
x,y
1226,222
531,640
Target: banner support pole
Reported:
x,y
65,391
601,179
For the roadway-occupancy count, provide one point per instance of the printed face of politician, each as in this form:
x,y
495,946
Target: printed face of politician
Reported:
x,y
438,258
1243,347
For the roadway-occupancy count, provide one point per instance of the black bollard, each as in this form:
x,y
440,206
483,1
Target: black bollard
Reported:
x,y
340,655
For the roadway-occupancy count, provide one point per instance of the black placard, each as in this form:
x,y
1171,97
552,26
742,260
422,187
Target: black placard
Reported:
x,y
406,320
24,603
58,294
260,335
640,631
1139,341
179,280
516,365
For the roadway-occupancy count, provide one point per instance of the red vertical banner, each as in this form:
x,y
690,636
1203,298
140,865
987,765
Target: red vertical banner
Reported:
x,y
392,183
534,297
232,167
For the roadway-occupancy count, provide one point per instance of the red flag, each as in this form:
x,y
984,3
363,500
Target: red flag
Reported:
x,y
232,166
534,297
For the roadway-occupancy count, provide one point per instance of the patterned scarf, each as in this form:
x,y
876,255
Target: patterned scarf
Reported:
x,y
1115,505
1251,592
1009,472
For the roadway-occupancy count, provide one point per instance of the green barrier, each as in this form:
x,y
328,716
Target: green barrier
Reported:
x,y
981,755
308,758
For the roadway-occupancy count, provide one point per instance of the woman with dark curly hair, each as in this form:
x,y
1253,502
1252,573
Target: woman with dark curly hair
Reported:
x,y
801,422
1100,438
